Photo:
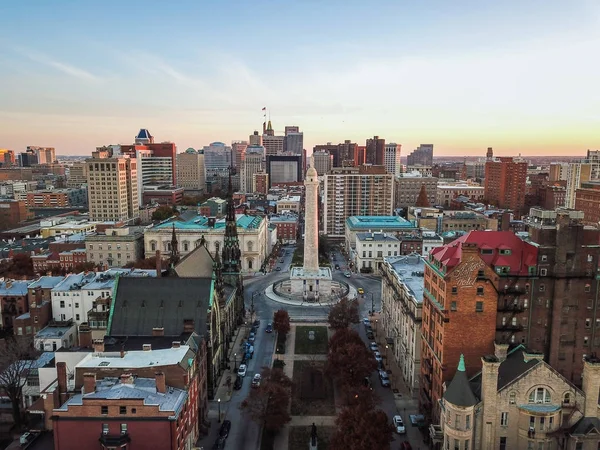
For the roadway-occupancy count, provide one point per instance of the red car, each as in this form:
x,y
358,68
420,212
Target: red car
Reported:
x,y
405,446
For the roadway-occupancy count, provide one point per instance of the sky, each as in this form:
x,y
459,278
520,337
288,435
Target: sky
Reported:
x,y
521,76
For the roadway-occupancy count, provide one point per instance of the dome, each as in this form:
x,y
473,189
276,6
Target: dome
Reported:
x,y
311,172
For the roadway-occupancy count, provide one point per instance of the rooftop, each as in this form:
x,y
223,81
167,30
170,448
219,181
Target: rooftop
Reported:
x,y
140,388
11,287
409,270
378,222
290,198
74,281
381,237
283,218
46,282
136,359
198,222
53,331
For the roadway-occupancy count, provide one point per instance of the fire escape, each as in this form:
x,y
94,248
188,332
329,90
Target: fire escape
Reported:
x,y
510,305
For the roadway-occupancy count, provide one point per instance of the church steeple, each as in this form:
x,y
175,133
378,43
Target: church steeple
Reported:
x,y
174,248
231,246
218,271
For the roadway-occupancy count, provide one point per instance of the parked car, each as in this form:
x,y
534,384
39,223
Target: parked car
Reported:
x,y
281,260
385,379
269,328
377,356
225,427
347,274
360,291
242,370
278,269
219,444
380,365
399,425
256,323
256,380
373,346
366,321
237,385
405,446
370,335
252,337
337,267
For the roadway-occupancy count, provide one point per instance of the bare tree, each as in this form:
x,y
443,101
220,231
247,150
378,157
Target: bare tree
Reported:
x,y
15,364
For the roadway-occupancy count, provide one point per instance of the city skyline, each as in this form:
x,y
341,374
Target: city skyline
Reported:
x,y
463,76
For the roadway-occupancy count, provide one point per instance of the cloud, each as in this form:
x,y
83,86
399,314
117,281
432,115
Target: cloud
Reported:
x,y
65,68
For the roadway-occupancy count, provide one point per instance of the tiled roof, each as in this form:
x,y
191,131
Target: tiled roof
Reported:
x,y
141,388
459,391
522,254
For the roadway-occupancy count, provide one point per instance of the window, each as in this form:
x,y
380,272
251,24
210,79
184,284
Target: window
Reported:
x,y
62,303
543,272
454,290
122,409
104,428
542,288
588,288
479,307
467,444
542,422
468,422
76,305
567,398
480,274
123,428
504,419
539,395
457,421
133,410
544,257
479,290
76,316
502,443
104,410
513,398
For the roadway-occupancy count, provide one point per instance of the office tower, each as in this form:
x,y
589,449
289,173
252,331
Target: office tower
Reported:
x,y
490,153
156,162
421,156
77,175
343,154
586,170
112,186
284,169
360,155
268,129
7,157
273,144
27,159
191,173
255,139
407,188
44,155
217,157
558,171
355,191
505,182
392,158
253,163
239,152
294,140
323,162
375,151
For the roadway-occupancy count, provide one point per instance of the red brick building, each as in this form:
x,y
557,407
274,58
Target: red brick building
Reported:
x,y
587,200
163,195
505,184
287,227
48,199
12,212
13,301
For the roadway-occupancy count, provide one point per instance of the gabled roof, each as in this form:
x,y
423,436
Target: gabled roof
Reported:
x,y
522,255
197,263
459,391
142,304
586,426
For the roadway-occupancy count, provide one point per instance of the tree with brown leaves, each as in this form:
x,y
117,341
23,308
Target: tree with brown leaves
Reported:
x,y
362,428
343,313
281,322
350,363
16,361
268,404
342,337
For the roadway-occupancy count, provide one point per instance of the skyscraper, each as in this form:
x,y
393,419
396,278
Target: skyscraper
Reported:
x,y
421,156
323,162
505,182
343,154
255,139
112,186
45,155
253,163
294,140
392,158
239,153
375,151
191,174
284,168
217,157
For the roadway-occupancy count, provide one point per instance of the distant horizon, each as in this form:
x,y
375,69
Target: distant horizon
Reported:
x,y
516,76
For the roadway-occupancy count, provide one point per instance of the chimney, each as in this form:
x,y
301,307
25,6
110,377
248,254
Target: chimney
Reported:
x,y
99,345
500,351
85,336
489,390
188,326
147,347
161,384
61,372
591,385
126,378
158,264
39,296
89,383
176,344
158,331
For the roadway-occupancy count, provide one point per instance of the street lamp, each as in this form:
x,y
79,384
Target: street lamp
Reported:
x,y
376,324
219,403
234,362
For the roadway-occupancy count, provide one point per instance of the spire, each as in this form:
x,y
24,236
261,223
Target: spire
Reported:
x,y
231,246
217,266
269,126
459,391
174,248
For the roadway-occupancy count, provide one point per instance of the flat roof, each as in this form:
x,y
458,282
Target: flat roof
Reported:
x,y
376,237
136,359
378,222
53,332
409,270
199,222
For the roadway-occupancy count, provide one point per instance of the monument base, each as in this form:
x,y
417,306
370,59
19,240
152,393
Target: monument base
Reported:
x,y
312,285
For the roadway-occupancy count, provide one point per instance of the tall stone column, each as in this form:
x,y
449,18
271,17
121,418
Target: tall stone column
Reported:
x,y
311,222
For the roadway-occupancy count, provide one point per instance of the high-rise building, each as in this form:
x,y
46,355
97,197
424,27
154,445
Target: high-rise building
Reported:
x,y
355,191
218,157
255,139
284,169
421,156
156,162
392,158
505,182
239,153
587,169
294,140
27,159
343,154
44,155
323,162
191,173
112,186
253,163
7,157
273,144
375,151
260,183
408,186
558,171
360,155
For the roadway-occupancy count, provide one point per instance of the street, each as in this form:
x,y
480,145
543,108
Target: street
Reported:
x,y
245,434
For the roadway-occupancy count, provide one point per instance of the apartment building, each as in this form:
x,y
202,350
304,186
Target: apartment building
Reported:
x,y
371,248
505,183
392,161
355,191
77,175
446,192
407,188
191,173
116,247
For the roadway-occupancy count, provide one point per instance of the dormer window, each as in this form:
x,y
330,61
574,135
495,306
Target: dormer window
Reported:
x,y
487,251
504,251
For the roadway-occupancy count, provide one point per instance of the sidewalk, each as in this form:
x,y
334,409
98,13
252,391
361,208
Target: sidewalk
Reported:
x,y
223,391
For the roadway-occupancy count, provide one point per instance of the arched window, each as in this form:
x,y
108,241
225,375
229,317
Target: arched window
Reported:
x,y
567,398
250,245
153,245
513,398
186,246
250,263
540,395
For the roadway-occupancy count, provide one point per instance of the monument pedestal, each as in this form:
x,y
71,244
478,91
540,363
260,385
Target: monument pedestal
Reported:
x,y
312,285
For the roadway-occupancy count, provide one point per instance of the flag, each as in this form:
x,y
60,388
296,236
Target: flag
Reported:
x,y
265,108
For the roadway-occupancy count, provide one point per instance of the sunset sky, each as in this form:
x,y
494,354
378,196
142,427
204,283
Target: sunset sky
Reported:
x,y
521,76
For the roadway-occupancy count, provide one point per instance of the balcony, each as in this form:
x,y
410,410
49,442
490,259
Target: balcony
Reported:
x,y
427,364
114,440
516,289
509,327
436,433
511,307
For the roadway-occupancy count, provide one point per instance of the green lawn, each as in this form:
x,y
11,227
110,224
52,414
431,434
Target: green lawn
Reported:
x,y
304,346
300,436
